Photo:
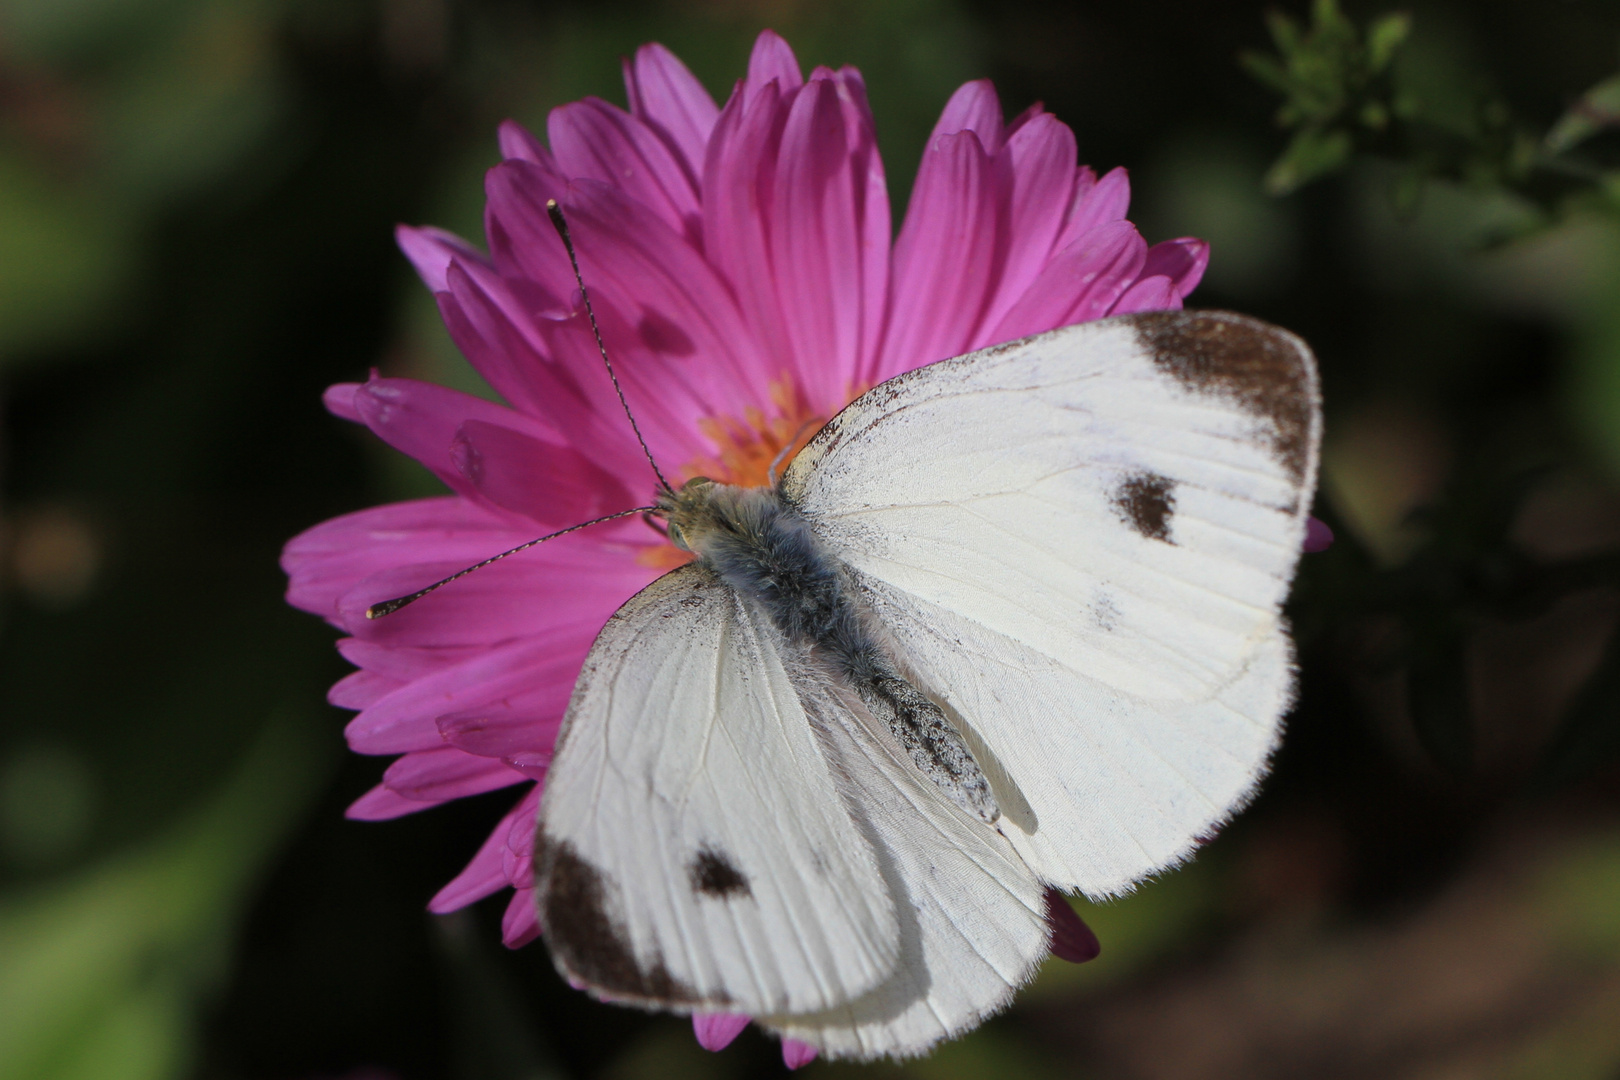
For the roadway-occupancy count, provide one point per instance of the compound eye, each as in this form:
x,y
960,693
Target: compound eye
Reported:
x,y
696,482
677,537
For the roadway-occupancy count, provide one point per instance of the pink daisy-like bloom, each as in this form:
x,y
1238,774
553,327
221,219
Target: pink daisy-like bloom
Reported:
x,y
740,263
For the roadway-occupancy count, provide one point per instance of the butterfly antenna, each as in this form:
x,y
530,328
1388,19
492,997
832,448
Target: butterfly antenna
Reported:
x,y
388,607
561,226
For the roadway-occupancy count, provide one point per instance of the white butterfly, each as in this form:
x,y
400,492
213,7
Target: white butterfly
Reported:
x,y
1010,620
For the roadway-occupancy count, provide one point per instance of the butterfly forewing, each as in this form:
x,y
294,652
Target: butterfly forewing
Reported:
x,y
694,851
1080,543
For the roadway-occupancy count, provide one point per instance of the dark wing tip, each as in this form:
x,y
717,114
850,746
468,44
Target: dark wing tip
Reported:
x,y
587,942
1267,371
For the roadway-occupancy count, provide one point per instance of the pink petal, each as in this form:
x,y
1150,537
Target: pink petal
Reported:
x,y
1096,204
523,244
593,140
796,1055
1085,182
1017,122
431,251
1318,537
739,172
1182,261
666,319
872,215
339,401
542,669
1081,283
360,689
383,803
546,371
421,419
944,258
518,730
496,333
773,58
716,1031
483,874
976,108
665,94
550,482
1036,173
521,923
399,663
328,560
1072,939
814,245
679,344
560,585
1148,294
517,858
519,144
446,773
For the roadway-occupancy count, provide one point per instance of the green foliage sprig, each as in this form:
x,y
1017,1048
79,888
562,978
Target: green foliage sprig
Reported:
x,y
1344,94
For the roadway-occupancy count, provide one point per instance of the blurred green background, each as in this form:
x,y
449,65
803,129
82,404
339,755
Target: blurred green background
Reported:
x,y
196,206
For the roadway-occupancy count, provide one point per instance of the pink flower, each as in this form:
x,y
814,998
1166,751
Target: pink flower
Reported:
x,y
740,262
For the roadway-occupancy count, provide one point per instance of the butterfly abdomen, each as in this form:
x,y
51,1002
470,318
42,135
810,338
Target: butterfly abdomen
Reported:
x,y
765,549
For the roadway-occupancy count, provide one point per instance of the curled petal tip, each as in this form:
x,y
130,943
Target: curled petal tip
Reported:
x,y
1318,537
716,1031
796,1055
1072,939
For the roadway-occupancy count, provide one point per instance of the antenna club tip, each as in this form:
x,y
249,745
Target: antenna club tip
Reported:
x,y
551,204
372,612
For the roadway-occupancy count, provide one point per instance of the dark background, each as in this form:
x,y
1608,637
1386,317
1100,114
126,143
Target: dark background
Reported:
x,y
196,210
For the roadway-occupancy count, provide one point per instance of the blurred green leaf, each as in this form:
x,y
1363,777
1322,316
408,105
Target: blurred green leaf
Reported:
x,y
1385,37
192,103
56,30
1332,84
63,255
99,974
1346,93
1597,109
1310,154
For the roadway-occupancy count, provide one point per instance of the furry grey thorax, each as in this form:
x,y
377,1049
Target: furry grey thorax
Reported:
x,y
761,546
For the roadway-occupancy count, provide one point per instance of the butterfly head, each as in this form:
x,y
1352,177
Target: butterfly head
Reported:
x,y
689,512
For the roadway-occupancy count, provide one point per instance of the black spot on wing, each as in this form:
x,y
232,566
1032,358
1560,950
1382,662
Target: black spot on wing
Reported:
x,y
587,942
1266,371
1104,611
713,874
1146,502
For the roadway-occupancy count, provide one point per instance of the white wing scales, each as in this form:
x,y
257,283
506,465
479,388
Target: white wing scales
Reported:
x,y
1078,545
1108,787
694,851
972,915
1081,543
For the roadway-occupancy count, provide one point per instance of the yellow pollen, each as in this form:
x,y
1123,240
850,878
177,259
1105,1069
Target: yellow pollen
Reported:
x,y
744,451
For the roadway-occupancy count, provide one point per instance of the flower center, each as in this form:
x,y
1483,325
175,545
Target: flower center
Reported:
x,y
745,450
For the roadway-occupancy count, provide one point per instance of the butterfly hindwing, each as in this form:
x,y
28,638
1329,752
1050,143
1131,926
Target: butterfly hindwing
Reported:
x,y
693,850
1080,544
971,913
